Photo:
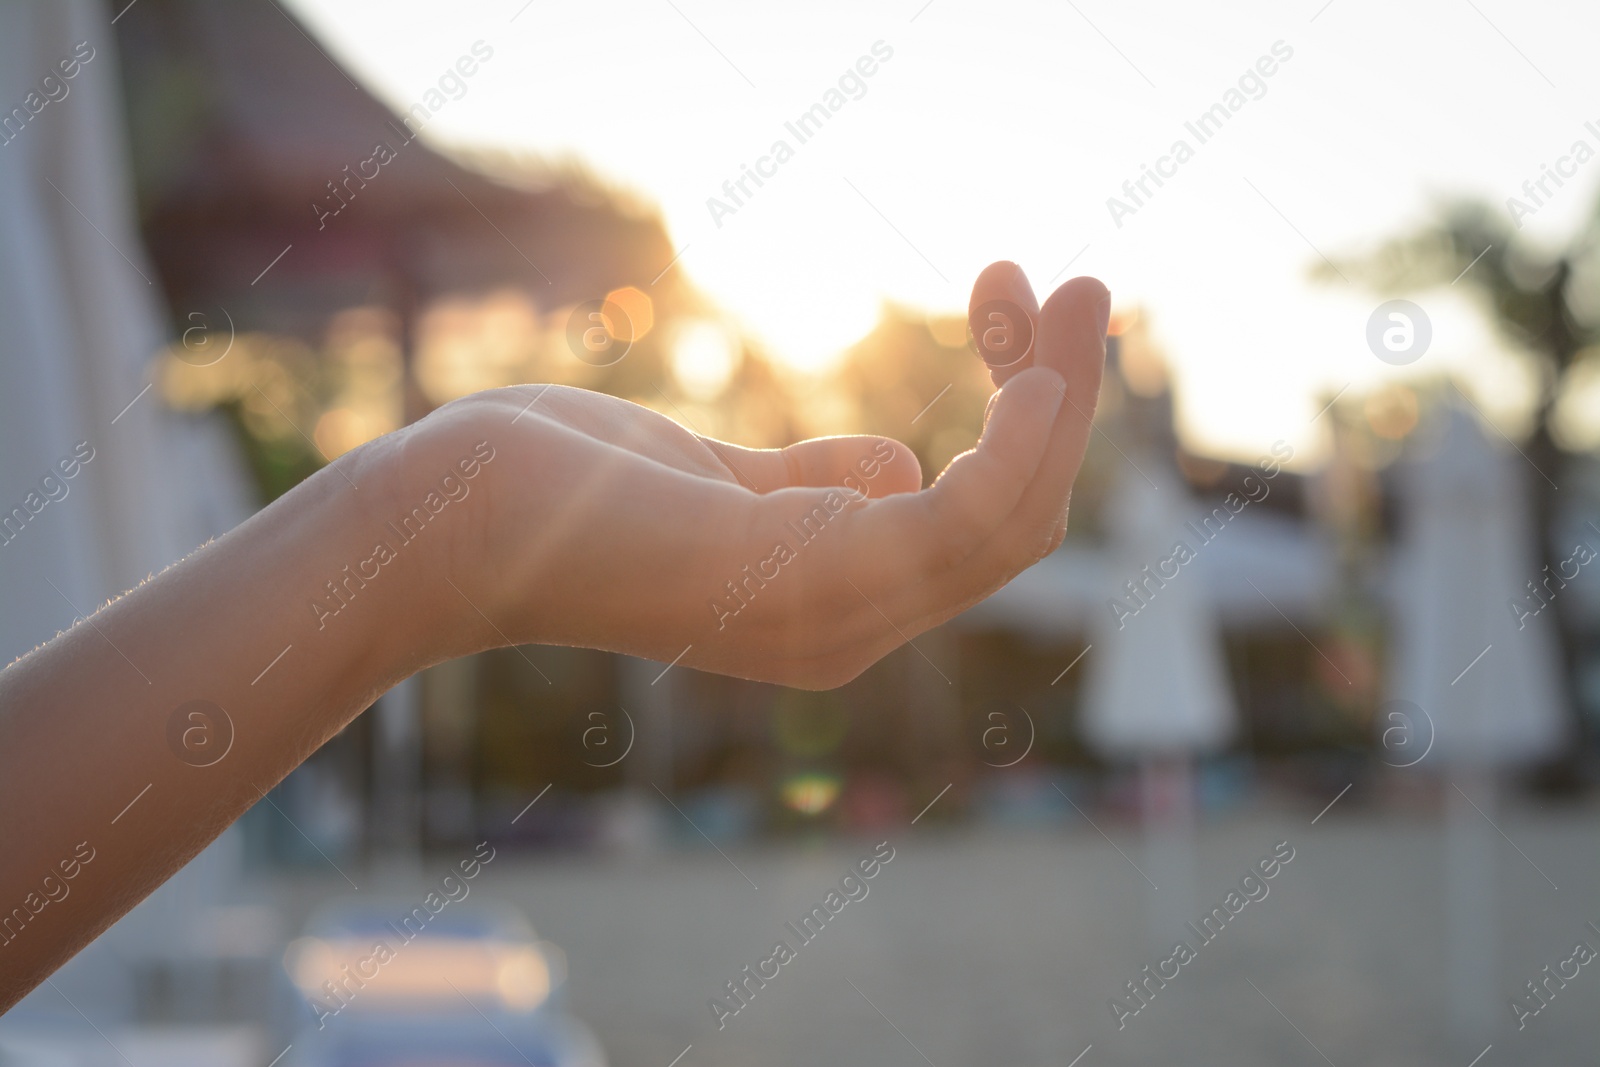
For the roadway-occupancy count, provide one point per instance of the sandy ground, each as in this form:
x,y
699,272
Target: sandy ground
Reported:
x,y
1006,947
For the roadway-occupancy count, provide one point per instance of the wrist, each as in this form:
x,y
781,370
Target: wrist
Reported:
x,y
428,525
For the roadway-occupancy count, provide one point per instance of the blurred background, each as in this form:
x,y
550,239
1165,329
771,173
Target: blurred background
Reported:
x,y
1326,590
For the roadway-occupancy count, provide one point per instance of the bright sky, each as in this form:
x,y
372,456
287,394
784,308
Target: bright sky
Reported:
x,y
999,130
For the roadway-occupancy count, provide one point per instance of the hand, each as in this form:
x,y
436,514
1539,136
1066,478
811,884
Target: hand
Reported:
x,y
592,522
603,524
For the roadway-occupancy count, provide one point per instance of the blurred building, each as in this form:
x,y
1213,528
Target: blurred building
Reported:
x,y
362,275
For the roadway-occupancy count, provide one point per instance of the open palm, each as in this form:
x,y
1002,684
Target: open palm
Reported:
x,y
607,525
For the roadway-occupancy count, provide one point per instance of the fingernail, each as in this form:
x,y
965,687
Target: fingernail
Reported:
x,y
1103,309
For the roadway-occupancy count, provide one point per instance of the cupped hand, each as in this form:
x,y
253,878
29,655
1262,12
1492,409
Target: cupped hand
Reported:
x,y
602,524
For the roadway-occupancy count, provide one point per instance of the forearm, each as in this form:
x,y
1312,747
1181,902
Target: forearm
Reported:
x,y
138,735
90,753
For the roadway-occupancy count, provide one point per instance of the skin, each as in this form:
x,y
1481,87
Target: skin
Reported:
x,y
596,523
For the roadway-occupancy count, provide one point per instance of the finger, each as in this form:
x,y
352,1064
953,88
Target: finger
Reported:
x,y
898,552
1071,342
1003,314
937,529
1072,336
874,466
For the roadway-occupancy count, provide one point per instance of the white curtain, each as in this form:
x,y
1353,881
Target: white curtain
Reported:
x,y
81,317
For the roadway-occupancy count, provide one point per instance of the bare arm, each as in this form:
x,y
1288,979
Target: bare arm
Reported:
x,y
526,515
84,720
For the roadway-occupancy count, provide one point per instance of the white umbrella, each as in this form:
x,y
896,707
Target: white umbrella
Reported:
x,y
1481,675
1156,684
1468,551
1157,690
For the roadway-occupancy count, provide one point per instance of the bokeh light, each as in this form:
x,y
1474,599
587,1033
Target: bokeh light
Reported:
x,y
810,794
704,358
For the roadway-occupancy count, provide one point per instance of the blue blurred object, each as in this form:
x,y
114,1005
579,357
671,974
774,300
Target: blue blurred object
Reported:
x,y
1226,782
725,813
430,982
1024,796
